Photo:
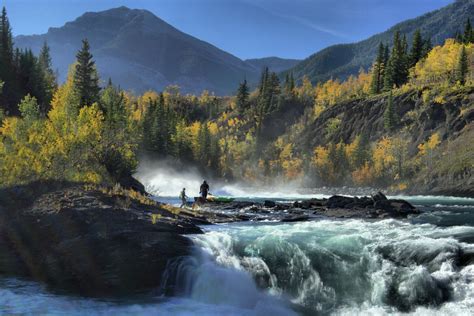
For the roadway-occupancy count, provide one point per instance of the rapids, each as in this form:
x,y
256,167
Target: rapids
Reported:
x,y
420,266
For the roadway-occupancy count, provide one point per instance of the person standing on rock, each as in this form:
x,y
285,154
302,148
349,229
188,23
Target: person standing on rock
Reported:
x,y
183,197
204,190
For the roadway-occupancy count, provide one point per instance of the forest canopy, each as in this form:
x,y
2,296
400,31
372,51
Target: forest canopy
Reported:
x,y
89,130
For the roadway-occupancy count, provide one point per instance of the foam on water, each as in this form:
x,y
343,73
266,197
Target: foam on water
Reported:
x,y
350,267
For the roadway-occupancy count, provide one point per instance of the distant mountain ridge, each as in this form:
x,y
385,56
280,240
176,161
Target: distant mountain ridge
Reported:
x,y
139,51
341,61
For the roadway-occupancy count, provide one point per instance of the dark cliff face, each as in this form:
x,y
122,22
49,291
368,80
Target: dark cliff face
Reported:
x,y
88,242
452,118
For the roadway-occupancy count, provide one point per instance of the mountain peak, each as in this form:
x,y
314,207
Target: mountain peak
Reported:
x,y
141,52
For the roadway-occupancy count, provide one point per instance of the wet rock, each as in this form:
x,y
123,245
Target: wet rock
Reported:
x,y
377,206
338,201
269,204
379,197
295,218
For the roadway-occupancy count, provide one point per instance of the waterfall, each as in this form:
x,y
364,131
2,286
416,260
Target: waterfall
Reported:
x,y
338,267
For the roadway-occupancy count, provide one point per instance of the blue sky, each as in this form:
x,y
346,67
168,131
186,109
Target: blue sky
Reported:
x,y
245,28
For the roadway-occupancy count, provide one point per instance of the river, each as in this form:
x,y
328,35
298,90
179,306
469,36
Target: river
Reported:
x,y
421,266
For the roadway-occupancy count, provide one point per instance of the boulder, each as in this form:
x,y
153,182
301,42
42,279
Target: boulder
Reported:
x,y
310,204
402,206
337,201
379,197
269,204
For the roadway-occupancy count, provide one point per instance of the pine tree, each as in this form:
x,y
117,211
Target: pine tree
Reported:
x,y
214,153
263,80
289,84
404,45
397,69
462,67
386,55
204,143
112,104
377,71
390,115
269,91
427,47
468,36
148,119
242,97
49,78
362,151
10,95
86,81
416,53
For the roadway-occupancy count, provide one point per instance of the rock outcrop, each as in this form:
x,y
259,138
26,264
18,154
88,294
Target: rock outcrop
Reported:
x,y
337,206
88,241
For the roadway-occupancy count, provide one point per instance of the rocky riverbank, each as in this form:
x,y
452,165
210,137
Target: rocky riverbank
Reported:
x,y
91,241
97,241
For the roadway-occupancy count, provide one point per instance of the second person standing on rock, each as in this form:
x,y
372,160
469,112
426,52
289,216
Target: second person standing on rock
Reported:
x,y
204,190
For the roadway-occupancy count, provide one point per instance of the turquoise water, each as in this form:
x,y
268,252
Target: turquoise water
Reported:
x,y
421,266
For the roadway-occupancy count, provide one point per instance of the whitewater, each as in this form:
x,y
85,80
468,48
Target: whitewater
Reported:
x,y
420,266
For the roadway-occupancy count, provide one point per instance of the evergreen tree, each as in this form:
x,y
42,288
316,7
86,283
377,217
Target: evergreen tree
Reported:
x,y
468,36
462,67
112,104
396,73
214,154
148,120
86,80
204,144
49,78
427,47
386,56
404,46
263,80
242,98
416,52
390,115
10,95
377,71
362,151
289,84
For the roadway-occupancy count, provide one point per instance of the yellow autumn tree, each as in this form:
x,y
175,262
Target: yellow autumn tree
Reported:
x,y
363,176
426,150
382,157
291,165
440,64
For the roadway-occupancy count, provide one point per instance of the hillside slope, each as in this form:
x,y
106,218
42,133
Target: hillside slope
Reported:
x,y
453,120
340,61
139,51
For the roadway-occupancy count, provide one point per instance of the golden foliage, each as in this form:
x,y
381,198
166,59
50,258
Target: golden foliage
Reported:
x,y
440,64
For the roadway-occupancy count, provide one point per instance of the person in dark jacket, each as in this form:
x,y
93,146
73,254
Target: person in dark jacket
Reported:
x,y
204,190
183,197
